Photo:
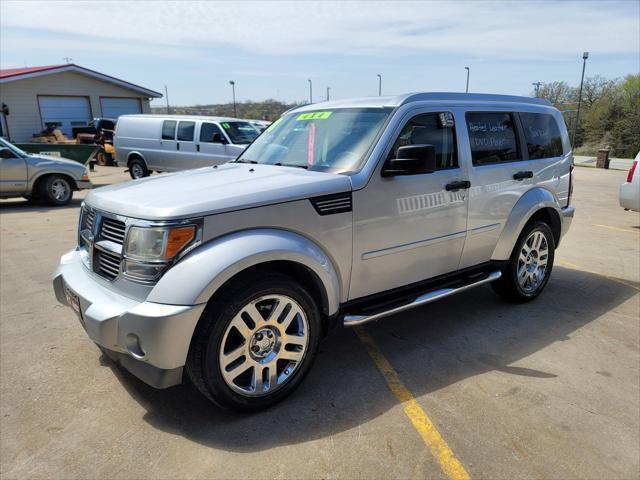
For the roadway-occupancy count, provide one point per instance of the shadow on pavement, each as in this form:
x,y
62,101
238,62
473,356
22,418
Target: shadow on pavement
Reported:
x,y
431,348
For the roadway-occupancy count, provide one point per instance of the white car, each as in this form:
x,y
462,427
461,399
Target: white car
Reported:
x,y
630,190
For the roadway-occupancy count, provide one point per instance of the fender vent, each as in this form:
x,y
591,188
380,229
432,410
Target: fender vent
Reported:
x,y
330,204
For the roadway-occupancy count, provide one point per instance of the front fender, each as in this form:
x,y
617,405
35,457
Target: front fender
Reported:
x,y
202,272
532,201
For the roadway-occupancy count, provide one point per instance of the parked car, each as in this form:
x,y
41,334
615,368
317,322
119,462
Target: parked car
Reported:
x,y
339,214
40,177
168,143
630,190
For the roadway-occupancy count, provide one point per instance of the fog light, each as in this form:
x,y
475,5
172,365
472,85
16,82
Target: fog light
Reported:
x,y
143,272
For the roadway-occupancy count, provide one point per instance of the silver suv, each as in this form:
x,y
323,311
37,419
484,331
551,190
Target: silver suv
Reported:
x,y
340,213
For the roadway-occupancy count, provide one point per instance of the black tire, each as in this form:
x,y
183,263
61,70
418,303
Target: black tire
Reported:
x,y
138,169
101,158
509,285
203,364
56,190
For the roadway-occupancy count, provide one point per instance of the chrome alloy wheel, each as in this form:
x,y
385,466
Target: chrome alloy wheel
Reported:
x,y
532,261
263,345
60,189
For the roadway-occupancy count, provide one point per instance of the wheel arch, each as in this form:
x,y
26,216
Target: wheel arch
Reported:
x,y
536,204
206,270
38,179
135,154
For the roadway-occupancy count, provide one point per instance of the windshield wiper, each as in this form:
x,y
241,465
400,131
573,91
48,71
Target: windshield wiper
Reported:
x,y
279,164
245,161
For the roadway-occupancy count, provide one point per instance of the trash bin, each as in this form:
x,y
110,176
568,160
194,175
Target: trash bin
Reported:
x,y
603,158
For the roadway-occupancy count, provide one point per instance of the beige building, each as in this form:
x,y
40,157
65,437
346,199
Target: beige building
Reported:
x,y
65,96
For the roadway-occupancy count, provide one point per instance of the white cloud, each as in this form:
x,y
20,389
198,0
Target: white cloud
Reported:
x,y
478,29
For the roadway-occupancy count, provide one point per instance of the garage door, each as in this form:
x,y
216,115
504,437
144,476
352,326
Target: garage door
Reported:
x,y
65,112
114,107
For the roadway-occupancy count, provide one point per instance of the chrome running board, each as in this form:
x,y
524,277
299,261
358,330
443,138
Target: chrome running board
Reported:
x,y
352,320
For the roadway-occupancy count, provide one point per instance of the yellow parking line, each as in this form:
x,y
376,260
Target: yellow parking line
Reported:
x,y
578,267
449,464
618,229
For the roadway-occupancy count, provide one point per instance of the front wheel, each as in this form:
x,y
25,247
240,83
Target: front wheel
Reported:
x,y
56,190
255,344
528,270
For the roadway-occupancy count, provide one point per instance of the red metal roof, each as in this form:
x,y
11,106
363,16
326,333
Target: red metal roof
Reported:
x,y
11,72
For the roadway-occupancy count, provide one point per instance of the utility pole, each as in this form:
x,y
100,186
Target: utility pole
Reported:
x,y
310,91
468,71
379,85
328,88
537,85
166,96
585,55
233,91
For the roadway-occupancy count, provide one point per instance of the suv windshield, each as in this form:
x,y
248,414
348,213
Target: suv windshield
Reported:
x,y
324,140
240,132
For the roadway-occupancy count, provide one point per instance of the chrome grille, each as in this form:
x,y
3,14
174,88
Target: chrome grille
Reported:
x,y
113,230
106,264
89,219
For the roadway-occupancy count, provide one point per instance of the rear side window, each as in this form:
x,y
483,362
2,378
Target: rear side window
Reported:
x,y
186,131
435,129
493,138
169,130
542,135
208,130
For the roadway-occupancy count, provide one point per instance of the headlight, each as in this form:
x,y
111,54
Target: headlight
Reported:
x,y
150,250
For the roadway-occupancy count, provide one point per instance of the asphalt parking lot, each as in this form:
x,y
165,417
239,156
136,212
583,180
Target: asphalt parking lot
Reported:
x,y
549,389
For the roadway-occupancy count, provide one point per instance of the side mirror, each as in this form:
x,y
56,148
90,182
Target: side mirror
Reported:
x,y
6,153
411,160
217,138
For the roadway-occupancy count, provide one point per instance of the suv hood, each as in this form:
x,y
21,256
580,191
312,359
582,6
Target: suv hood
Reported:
x,y
205,191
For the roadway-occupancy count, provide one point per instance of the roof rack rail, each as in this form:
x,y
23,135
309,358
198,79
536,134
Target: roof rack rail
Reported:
x,y
478,97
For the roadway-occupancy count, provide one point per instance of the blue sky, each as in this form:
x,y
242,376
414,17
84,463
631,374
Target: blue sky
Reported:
x,y
270,49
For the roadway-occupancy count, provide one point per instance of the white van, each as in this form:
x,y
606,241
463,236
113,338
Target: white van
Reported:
x,y
167,143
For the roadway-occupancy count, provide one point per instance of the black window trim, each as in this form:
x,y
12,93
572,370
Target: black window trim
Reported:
x,y
456,142
519,137
175,127
208,122
193,138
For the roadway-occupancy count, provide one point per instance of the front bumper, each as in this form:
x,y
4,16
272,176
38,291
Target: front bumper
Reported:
x,y
151,340
81,185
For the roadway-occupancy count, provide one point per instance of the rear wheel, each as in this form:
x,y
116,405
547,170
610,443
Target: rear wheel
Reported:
x,y
528,270
138,169
253,347
55,190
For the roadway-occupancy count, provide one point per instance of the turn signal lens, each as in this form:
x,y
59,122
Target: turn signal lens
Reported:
x,y
85,178
179,238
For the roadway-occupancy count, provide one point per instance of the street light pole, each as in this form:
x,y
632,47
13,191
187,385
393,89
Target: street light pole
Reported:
x,y
379,84
328,88
166,96
468,71
537,85
233,90
310,91
585,55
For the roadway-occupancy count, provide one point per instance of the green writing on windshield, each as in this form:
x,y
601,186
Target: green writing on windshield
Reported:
x,y
313,116
226,125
